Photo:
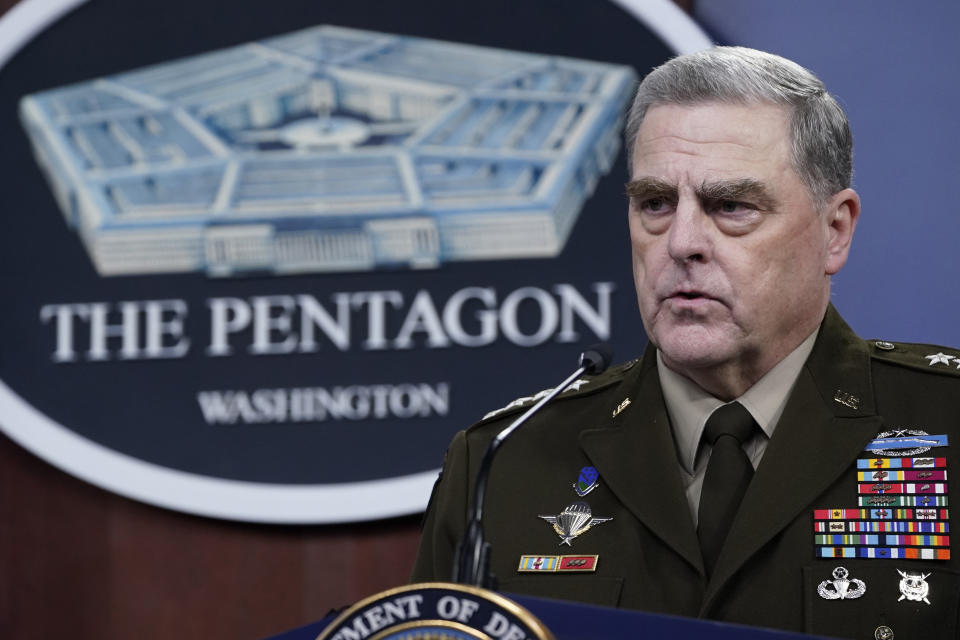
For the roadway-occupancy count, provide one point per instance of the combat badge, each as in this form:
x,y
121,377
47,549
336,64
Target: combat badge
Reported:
x,y
575,520
586,481
904,442
839,587
914,586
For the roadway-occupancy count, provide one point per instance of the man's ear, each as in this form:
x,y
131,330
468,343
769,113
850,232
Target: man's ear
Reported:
x,y
841,219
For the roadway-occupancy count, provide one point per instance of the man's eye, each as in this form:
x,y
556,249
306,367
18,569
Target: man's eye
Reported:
x,y
734,207
734,217
654,205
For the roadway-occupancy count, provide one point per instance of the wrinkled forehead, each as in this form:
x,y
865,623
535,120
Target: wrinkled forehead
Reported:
x,y
713,138
704,120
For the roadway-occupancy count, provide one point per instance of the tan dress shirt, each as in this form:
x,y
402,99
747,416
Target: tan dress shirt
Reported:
x,y
689,406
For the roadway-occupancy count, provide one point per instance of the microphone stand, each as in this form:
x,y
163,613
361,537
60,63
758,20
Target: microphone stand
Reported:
x,y
472,556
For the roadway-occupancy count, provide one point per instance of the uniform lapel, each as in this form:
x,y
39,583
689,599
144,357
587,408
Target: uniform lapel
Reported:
x,y
815,442
635,454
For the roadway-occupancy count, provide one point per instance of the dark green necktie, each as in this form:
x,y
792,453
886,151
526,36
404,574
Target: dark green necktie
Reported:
x,y
728,474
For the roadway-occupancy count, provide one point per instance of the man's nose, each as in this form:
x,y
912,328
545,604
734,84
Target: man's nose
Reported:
x,y
689,237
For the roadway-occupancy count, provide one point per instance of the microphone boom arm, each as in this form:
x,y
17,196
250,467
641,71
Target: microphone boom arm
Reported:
x,y
472,556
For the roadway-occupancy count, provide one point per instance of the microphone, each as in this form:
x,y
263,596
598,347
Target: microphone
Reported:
x,y
472,556
596,358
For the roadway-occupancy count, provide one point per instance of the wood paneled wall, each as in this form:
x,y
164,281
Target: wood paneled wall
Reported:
x,y
78,562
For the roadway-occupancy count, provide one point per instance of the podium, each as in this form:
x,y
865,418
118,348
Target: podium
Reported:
x,y
575,621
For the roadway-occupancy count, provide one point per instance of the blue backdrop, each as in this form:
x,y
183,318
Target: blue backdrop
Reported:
x,y
893,65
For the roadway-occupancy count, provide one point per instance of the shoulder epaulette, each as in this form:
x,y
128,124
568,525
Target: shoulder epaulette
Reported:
x,y
925,357
579,388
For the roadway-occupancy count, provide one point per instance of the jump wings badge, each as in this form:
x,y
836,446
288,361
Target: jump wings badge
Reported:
x,y
840,587
575,520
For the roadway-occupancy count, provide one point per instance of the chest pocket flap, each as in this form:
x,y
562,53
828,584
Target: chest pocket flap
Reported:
x,y
852,598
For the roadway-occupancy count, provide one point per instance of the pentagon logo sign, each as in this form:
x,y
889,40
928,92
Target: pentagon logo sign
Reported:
x,y
262,263
329,149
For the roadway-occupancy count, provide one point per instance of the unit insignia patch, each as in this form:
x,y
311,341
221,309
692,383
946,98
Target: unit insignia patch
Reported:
x,y
586,481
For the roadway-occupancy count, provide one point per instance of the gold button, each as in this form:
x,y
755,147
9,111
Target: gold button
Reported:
x,y
883,632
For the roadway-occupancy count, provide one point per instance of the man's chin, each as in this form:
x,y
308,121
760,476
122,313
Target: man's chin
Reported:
x,y
684,351
691,361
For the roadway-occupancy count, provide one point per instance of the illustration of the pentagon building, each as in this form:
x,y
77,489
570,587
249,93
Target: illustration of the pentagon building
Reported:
x,y
329,149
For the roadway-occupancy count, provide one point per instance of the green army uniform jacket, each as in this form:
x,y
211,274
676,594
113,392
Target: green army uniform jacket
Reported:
x,y
768,573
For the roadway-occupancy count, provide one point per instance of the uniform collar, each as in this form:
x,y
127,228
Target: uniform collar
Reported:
x,y
689,406
840,365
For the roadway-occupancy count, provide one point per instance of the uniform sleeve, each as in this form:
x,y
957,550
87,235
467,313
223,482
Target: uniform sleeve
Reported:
x,y
446,516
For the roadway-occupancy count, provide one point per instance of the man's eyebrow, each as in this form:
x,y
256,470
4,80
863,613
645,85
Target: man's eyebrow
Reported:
x,y
743,189
649,187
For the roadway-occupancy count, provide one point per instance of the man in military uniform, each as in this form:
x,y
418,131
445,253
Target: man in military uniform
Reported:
x,y
760,464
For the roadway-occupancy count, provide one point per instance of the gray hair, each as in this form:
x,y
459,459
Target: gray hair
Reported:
x,y
822,144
